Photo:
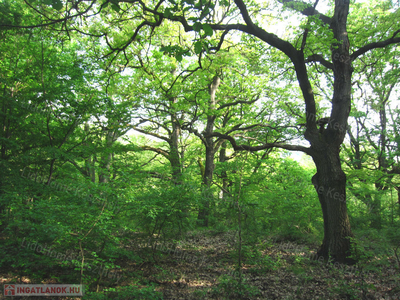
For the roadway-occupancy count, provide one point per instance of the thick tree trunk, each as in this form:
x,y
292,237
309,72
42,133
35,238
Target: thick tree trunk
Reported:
x,y
330,184
330,180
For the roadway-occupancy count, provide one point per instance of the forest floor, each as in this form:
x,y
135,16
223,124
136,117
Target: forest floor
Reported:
x,y
202,266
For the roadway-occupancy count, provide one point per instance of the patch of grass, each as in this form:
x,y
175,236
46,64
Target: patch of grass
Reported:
x,y
266,264
229,287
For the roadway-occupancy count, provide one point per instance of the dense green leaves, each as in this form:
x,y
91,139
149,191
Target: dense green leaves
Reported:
x,y
107,115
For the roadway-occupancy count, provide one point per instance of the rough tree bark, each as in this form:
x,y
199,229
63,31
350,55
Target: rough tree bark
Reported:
x,y
330,180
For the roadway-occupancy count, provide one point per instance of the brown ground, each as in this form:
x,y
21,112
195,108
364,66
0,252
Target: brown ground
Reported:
x,y
282,270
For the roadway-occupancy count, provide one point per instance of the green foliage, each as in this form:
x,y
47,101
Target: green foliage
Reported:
x,y
287,188
164,210
229,287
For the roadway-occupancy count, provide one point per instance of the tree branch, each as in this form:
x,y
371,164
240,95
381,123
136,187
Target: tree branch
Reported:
x,y
194,131
237,147
308,11
245,14
375,45
321,60
238,102
152,134
82,170
156,150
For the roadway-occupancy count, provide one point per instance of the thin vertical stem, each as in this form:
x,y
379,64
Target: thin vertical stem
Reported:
x,y
240,222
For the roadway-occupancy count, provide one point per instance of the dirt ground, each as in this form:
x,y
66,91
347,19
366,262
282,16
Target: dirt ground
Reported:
x,y
204,267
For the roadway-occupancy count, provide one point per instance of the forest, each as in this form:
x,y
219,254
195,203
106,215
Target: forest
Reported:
x,y
198,149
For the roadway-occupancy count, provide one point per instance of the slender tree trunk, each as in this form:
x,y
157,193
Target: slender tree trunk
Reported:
x,y
105,164
224,175
6,112
210,151
207,195
174,156
89,163
398,198
2,151
374,209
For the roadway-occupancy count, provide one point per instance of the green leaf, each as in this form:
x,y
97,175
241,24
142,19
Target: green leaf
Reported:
x,y
115,7
166,49
198,47
168,12
57,4
178,57
197,26
204,13
207,30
